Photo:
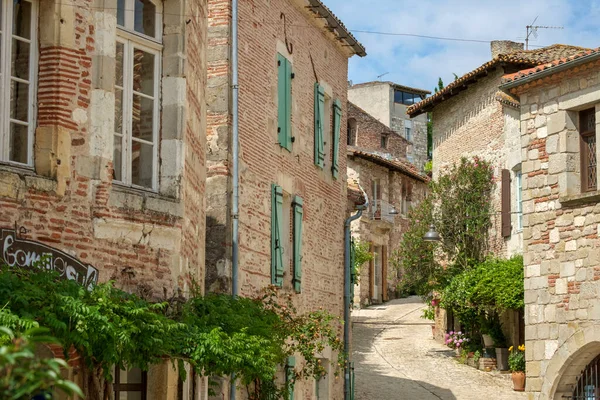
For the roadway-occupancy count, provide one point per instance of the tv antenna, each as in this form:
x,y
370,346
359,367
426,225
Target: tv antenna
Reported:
x,y
532,31
379,76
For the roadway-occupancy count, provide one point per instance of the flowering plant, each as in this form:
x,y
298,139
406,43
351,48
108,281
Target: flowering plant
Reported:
x,y
516,358
456,340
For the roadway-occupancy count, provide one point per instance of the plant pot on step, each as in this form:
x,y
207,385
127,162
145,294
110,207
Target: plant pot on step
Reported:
x,y
518,378
487,340
501,359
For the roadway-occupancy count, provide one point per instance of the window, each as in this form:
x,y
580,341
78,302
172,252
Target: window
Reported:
x,y
408,125
519,199
277,236
18,69
131,384
322,382
406,98
406,198
384,140
352,132
319,125
137,93
335,146
587,130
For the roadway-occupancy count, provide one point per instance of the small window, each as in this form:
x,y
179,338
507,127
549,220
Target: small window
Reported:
x,y
384,141
408,134
352,132
587,130
406,98
18,71
519,200
131,384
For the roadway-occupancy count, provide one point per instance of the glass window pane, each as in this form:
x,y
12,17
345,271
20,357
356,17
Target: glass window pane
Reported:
x,y
143,72
133,375
20,59
121,13
141,164
18,143
118,158
119,64
118,110
22,18
145,17
142,118
19,101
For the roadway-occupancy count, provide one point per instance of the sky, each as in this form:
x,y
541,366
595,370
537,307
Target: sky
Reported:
x,y
418,62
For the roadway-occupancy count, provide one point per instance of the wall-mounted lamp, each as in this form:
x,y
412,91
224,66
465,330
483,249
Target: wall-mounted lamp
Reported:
x,y
393,211
432,235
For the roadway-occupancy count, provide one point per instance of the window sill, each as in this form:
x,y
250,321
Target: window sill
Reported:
x,y
144,200
580,199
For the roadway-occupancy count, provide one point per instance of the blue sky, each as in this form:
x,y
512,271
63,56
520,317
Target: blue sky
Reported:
x,y
418,62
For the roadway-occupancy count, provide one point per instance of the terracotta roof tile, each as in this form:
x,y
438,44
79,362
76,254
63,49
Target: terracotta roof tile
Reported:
x,y
395,164
508,99
355,194
526,58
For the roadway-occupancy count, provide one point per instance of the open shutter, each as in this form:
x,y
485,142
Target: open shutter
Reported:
x,y
284,102
298,214
276,235
290,376
506,226
337,121
319,127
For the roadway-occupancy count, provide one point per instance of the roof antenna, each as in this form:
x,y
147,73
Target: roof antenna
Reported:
x,y
379,76
532,30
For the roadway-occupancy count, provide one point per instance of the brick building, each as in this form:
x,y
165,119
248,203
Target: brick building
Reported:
x,y
559,125
471,116
388,102
392,185
293,71
102,122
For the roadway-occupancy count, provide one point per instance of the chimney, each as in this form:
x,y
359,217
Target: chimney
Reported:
x,y
505,47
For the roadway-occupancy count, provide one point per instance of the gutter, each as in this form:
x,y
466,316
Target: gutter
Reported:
x,y
551,70
347,283
235,248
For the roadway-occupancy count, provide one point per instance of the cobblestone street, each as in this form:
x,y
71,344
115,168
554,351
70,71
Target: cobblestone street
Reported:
x,y
395,357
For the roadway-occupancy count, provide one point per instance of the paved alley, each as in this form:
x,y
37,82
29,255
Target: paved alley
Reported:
x,y
395,357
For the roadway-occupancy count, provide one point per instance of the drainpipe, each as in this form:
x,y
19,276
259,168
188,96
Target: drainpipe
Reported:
x,y
235,172
347,283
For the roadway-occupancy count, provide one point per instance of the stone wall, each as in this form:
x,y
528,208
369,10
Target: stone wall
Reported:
x,y
374,99
560,236
417,149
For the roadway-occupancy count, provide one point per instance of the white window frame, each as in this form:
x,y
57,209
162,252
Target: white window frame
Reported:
x,y
132,40
519,199
6,78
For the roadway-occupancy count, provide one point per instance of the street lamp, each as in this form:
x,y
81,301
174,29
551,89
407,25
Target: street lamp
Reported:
x,y
432,235
393,211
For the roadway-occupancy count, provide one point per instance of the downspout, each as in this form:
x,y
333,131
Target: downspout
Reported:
x,y
235,165
347,283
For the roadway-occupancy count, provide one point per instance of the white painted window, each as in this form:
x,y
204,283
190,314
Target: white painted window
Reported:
x,y
519,198
137,92
18,71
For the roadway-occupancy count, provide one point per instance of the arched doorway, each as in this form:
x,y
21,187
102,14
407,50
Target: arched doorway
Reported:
x,y
587,385
574,370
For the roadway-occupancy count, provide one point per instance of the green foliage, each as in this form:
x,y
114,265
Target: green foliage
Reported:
x,y
216,334
476,357
516,359
428,313
428,167
362,255
22,374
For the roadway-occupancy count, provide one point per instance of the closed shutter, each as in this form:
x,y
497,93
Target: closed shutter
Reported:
x,y
337,121
290,376
319,125
506,226
284,102
298,214
277,235
372,271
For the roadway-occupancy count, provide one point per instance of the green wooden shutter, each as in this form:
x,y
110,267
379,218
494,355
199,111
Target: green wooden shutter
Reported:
x,y
319,125
298,214
284,102
353,277
277,235
337,121
290,376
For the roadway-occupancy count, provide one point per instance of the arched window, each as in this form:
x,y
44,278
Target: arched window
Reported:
x,y
352,132
588,382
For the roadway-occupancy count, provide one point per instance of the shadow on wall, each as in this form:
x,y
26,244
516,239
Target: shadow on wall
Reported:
x,y
218,257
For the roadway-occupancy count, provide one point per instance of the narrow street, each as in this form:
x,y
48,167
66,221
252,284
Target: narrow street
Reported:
x,y
395,357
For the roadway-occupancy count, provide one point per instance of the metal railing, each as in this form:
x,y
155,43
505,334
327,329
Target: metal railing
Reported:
x,y
588,383
382,211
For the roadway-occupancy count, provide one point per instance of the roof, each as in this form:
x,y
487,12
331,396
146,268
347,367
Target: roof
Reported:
x,y
508,99
397,165
526,75
353,109
355,193
394,85
520,59
336,26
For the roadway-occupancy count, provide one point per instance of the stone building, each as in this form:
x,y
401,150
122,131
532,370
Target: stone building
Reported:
x,y
393,186
559,126
471,116
102,121
293,72
388,102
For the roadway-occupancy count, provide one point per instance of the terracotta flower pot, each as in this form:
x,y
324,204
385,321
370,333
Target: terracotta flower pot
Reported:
x,y
518,379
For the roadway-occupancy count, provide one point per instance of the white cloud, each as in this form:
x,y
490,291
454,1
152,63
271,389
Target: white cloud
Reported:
x,y
419,62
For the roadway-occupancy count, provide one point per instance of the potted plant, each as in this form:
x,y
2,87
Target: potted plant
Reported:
x,y
516,363
456,341
500,344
